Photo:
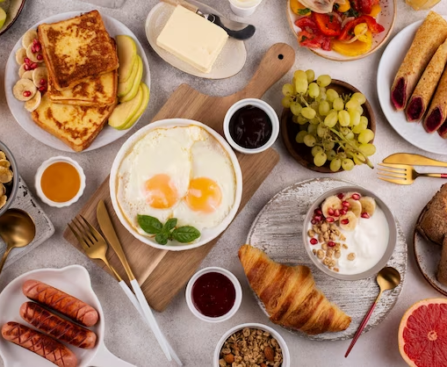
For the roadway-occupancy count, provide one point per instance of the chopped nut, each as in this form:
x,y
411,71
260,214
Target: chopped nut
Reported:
x,y
327,261
326,236
336,270
320,238
324,246
314,251
222,363
345,246
311,233
320,254
316,229
337,246
330,252
351,256
333,226
342,237
324,227
337,254
333,262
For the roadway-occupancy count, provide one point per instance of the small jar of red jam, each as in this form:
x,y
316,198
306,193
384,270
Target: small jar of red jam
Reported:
x,y
214,294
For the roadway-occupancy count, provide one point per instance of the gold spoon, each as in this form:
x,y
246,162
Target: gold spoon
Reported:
x,y
388,278
17,229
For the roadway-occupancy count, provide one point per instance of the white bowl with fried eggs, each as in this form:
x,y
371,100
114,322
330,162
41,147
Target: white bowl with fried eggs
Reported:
x,y
176,168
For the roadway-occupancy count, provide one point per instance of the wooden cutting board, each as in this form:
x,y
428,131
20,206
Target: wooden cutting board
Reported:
x,y
162,274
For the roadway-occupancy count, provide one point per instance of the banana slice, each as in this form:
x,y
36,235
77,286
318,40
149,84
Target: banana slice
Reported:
x,y
368,205
4,163
22,70
20,55
24,90
34,102
5,175
29,37
33,56
355,206
28,75
331,204
38,74
3,199
348,221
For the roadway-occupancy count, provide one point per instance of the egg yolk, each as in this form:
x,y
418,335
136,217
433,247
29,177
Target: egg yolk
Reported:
x,y
204,195
160,192
60,182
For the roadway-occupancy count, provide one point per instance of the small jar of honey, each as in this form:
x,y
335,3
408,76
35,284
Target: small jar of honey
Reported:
x,y
60,181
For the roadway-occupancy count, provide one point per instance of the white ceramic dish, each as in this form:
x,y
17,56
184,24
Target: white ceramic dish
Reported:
x,y
74,280
230,61
207,234
244,9
391,239
237,302
38,181
392,58
282,343
386,18
23,117
263,106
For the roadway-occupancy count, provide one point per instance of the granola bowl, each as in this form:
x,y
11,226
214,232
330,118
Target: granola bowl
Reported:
x,y
349,233
273,348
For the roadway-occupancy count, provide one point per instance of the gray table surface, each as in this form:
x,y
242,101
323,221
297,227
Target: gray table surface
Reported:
x,y
126,335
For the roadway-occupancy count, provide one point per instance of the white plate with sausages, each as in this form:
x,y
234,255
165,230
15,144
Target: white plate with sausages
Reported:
x,y
73,280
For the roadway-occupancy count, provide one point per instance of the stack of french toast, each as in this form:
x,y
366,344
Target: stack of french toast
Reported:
x,y
82,63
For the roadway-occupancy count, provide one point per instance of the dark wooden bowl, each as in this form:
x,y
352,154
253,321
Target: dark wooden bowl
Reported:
x,y
13,9
301,152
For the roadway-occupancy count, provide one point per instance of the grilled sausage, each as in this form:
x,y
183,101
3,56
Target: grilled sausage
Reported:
x,y
40,344
61,302
56,326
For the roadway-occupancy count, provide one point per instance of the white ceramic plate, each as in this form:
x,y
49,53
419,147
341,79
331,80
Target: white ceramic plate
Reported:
x,y
392,58
385,18
230,61
207,235
23,117
73,280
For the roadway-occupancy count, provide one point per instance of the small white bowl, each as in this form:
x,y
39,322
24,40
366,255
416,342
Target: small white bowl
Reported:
x,y
273,332
244,11
263,106
40,172
237,301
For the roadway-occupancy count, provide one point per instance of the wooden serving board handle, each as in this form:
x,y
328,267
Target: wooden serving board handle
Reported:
x,y
276,62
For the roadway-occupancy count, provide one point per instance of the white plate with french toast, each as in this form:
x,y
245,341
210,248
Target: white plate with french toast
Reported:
x,y
73,109
72,280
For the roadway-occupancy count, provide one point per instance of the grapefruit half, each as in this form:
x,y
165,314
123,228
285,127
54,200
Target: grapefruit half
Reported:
x,y
423,334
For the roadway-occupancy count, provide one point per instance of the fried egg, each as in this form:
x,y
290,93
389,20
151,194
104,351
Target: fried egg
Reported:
x,y
154,176
212,188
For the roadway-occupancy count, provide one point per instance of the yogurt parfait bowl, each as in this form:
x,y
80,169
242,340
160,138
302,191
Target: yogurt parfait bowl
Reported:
x,y
349,233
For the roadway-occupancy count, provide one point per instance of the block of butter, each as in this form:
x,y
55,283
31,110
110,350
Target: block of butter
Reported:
x,y
192,39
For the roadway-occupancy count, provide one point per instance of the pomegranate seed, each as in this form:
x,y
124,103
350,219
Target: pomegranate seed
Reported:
x,y
329,219
37,47
33,49
330,211
43,88
344,221
346,204
39,57
313,241
43,81
342,212
331,243
341,196
313,221
33,66
27,67
27,61
26,93
318,211
337,213
365,215
35,40
356,196
318,218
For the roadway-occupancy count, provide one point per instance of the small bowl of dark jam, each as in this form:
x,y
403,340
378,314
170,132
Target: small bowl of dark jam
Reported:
x,y
251,126
213,294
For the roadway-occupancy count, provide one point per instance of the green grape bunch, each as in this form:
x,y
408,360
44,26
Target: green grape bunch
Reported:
x,y
331,124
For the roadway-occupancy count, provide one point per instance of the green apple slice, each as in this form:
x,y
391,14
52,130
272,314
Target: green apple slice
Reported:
x,y
134,90
124,88
127,53
146,98
124,112
2,17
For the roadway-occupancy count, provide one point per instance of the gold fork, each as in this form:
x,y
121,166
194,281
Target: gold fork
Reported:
x,y
403,174
92,242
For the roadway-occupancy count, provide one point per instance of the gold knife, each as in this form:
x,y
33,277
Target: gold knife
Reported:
x,y
413,159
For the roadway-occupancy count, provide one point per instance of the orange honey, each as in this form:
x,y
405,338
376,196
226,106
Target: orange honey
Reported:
x,y
60,182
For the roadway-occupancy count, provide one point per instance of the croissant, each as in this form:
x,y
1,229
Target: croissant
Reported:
x,y
290,295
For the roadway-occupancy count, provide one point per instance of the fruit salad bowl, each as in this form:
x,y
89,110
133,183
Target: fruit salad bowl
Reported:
x,y
13,8
317,213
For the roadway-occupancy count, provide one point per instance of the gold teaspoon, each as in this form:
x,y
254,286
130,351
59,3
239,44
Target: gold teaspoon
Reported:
x,y
388,278
17,229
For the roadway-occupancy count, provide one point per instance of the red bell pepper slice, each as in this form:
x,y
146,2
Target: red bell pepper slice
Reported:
x,y
348,31
305,23
311,40
328,25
